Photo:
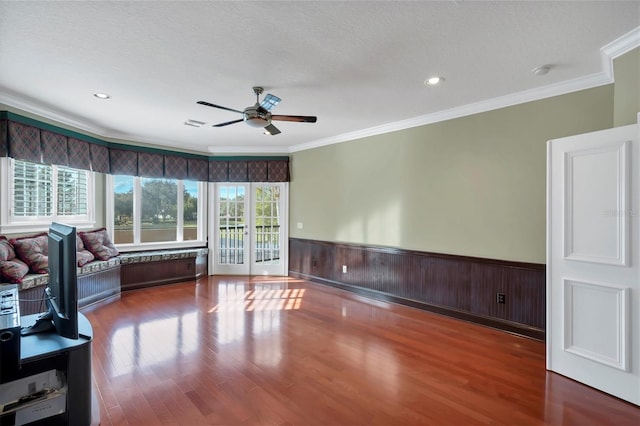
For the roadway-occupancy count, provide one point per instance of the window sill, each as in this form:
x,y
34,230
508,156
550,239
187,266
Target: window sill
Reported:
x,y
25,228
124,248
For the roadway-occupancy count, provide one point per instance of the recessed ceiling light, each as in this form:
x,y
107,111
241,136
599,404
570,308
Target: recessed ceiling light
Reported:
x,y
102,96
432,81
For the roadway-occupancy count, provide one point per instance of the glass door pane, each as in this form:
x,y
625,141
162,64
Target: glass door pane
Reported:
x,y
250,229
267,233
232,232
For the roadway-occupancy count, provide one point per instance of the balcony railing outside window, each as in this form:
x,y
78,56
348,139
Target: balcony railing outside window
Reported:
x,y
232,239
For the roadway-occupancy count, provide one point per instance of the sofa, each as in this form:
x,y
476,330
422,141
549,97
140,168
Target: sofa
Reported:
x,y
24,261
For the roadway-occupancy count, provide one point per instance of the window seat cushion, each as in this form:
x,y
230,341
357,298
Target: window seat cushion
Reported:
x,y
37,280
160,255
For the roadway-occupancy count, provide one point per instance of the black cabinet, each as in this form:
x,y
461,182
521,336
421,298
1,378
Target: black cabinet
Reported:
x,y
64,365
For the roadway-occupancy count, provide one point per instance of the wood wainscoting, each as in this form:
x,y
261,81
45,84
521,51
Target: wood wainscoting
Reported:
x,y
137,275
458,286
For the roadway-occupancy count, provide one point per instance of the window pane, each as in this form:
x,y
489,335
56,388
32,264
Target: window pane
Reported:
x,y
123,209
267,237
190,211
32,190
232,223
159,204
72,192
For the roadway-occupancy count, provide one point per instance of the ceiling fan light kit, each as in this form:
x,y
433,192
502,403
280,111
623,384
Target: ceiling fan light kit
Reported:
x,y
259,115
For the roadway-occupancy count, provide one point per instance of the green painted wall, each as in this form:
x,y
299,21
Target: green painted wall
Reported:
x,y
627,88
471,186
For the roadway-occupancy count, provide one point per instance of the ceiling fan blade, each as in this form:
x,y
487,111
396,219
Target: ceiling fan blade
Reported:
x,y
228,122
270,101
296,118
273,130
218,106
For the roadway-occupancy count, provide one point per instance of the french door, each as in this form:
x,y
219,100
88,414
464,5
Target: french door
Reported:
x,y
250,229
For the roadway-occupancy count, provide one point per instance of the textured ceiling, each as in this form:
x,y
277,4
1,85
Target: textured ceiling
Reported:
x,y
359,66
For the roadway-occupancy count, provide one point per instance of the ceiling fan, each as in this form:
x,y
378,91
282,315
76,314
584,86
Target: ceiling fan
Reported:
x,y
259,115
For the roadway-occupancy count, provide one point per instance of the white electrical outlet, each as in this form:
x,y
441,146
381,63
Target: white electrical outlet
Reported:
x,y
344,269
300,225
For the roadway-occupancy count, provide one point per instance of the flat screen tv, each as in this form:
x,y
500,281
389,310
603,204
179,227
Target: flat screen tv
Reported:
x,y
61,294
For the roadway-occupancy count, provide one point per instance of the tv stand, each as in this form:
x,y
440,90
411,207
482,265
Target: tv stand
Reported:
x,y
44,322
48,354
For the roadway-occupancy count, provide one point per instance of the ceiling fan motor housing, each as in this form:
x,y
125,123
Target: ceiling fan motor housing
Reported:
x,y
256,116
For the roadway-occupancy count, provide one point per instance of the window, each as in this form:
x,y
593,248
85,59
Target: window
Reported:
x,y
156,212
34,195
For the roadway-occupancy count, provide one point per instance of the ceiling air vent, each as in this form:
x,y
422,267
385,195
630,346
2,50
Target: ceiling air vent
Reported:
x,y
194,123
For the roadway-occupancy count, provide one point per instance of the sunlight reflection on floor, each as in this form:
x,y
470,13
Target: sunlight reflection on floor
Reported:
x,y
261,300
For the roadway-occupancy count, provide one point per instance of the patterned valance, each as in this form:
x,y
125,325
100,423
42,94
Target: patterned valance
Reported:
x,y
54,148
238,171
175,167
198,169
150,164
79,154
24,142
100,158
218,171
49,145
123,162
257,171
4,138
248,170
278,171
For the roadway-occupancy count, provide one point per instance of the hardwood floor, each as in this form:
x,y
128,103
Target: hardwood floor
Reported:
x,y
280,351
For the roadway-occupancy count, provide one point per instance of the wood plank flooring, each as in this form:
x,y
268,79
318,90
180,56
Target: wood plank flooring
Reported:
x,y
281,351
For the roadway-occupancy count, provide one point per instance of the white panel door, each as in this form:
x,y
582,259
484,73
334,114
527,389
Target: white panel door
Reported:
x,y
250,229
593,272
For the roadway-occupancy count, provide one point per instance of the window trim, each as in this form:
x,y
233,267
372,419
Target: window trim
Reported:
x,y
12,225
200,241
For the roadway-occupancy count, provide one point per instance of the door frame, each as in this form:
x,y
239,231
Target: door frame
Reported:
x,y
251,223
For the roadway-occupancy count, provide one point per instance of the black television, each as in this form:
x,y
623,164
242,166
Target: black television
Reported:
x,y
61,294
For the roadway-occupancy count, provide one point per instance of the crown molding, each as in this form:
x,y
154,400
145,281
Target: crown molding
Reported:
x,y
14,101
561,88
618,47
622,45
608,53
249,149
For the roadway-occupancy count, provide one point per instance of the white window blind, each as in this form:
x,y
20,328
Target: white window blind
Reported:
x,y
32,189
40,194
72,192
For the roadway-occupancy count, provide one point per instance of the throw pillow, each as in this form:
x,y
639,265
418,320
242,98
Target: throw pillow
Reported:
x,y
6,249
84,256
13,270
79,243
33,251
98,243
